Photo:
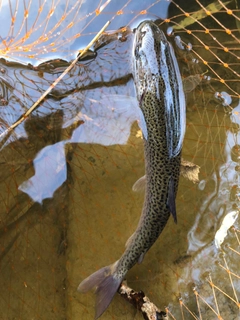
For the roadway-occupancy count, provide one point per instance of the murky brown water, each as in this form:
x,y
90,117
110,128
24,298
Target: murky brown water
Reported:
x,y
67,205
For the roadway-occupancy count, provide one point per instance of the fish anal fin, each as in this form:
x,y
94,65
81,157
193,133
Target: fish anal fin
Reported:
x,y
171,199
141,257
140,185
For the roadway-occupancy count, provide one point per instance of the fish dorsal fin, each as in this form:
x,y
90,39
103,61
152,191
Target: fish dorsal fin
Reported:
x,y
171,199
140,184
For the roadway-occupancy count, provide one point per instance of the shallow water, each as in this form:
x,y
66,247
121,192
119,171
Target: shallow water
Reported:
x,y
67,205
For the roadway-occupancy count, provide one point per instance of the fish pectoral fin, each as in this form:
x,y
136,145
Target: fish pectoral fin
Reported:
x,y
171,200
140,184
142,124
141,257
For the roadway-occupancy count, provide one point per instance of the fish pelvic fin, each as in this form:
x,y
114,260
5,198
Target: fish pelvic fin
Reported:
x,y
140,185
171,199
106,286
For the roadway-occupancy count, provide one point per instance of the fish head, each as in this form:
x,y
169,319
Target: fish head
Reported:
x,y
148,42
158,83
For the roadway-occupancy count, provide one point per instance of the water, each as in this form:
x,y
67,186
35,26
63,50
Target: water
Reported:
x,y
67,173
35,32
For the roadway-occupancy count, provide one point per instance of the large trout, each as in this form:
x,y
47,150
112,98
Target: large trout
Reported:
x,y
161,100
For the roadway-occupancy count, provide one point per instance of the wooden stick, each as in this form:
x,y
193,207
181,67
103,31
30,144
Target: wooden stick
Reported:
x,y
141,302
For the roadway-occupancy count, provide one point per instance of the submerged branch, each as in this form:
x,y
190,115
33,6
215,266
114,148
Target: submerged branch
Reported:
x,y
141,303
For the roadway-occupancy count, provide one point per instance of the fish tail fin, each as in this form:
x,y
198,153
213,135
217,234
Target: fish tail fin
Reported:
x,y
106,286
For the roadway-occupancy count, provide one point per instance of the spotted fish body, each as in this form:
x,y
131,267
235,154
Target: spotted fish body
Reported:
x,y
161,100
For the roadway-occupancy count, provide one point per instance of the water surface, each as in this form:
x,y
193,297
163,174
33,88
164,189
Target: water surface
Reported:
x,y
67,205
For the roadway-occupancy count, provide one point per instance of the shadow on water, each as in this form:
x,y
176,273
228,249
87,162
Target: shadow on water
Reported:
x,y
67,205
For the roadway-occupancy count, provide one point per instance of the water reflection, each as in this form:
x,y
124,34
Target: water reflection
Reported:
x,y
50,173
105,110
221,200
23,85
101,123
38,32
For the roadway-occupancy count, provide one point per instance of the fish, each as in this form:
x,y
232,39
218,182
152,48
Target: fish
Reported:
x,y
161,99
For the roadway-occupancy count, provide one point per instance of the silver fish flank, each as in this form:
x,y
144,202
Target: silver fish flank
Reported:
x,y
161,100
